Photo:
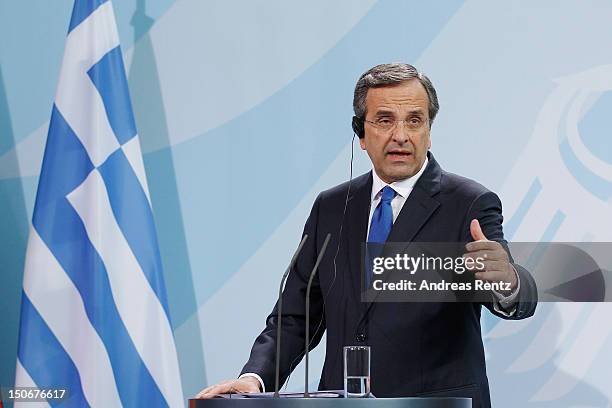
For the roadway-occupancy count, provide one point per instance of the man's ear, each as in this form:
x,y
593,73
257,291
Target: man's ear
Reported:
x,y
362,143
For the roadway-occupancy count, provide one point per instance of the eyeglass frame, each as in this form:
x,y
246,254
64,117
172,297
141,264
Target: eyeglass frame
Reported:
x,y
395,122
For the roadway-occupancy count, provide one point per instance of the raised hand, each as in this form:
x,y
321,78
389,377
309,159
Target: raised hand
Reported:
x,y
497,267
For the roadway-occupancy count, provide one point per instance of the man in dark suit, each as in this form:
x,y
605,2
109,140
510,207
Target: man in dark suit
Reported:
x,y
418,349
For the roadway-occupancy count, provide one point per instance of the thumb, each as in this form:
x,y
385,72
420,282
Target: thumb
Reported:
x,y
476,231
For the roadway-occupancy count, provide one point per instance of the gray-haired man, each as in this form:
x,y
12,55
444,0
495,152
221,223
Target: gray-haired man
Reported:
x,y
418,349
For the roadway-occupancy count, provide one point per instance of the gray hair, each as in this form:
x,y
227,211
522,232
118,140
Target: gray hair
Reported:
x,y
392,74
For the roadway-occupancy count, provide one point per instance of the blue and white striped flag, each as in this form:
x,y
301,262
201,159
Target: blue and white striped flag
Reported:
x,y
94,314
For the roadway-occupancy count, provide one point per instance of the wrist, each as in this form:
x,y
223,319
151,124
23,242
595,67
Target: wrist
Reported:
x,y
252,379
512,279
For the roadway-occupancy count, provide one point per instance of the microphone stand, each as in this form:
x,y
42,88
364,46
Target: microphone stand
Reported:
x,y
280,313
307,336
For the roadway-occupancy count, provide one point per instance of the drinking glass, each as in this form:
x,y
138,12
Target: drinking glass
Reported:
x,y
357,371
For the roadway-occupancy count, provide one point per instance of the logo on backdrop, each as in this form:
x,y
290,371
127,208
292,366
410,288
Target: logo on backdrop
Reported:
x,y
562,183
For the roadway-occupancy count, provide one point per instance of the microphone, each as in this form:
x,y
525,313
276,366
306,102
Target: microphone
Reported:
x,y
307,337
280,312
346,200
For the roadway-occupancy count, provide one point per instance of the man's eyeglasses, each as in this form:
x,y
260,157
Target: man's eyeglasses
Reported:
x,y
387,124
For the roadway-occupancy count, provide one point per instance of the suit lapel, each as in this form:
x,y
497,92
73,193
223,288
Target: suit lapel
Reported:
x,y
420,204
416,211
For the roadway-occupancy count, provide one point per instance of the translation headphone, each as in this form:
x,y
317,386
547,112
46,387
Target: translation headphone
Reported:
x,y
358,127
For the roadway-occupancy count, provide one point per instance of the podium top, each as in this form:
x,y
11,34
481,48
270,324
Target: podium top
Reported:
x,y
331,403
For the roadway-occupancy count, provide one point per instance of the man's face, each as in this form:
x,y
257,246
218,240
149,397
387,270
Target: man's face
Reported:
x,y
397,153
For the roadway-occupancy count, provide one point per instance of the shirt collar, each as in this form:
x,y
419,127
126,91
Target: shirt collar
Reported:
x,y
402,187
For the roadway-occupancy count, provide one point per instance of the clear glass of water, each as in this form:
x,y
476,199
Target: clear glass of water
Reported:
x,y
357,371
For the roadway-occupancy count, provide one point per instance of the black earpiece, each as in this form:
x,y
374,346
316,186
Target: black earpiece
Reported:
x,y
358,127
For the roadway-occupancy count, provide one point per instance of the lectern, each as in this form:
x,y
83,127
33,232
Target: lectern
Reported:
x,y
332,403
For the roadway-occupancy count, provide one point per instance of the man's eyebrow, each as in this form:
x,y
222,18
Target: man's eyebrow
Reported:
x,y
417,111
412,112
383,111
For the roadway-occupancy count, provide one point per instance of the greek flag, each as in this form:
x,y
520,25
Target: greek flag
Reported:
x,y
94,314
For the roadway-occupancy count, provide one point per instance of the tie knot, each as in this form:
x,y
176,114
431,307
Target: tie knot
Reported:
x,y
387,194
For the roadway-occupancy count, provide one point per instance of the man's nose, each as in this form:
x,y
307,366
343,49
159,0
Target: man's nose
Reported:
x,y
400,134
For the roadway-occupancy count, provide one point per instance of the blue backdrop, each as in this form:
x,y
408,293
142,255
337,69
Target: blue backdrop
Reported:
x,y
234,99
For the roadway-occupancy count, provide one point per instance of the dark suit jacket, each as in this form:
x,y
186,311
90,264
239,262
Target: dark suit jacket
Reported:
x,y
418,349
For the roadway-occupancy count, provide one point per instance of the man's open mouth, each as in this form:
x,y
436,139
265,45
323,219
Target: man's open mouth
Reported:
x,y
399,154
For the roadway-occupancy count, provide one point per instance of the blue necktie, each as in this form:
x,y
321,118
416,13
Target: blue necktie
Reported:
x,y
382,221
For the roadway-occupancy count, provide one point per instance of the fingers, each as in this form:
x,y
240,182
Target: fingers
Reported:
x,y
489,258
228,387
489,270
491,276
489,264
214,390
203,392
476,231
482,245
487,255
206,393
